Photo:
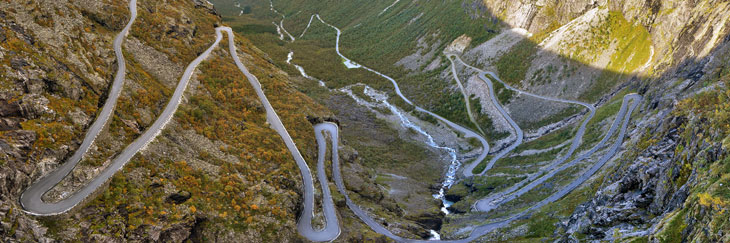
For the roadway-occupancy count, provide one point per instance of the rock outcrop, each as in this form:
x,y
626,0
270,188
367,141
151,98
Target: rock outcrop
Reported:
x,y
196,181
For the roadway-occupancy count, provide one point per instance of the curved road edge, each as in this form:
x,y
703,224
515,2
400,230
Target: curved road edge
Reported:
x,y
467,101
304,225
482,230
488,203
467,132
30,199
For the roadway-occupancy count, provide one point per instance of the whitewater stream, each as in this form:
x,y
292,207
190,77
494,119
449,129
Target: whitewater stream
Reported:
x,y
32,203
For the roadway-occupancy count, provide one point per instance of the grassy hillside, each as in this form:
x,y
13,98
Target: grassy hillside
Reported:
x,y
371,38
217,170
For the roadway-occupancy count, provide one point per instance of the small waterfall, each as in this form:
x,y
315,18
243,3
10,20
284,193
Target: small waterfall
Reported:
x,y
454,164
434,235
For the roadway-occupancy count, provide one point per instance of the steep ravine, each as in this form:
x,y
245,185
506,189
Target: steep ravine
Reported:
x,y
217,172
576,47
58,63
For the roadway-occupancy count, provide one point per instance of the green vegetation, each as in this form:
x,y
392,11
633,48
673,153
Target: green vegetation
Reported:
x,y
543,190
633,51
453,108
643,239
482,164
549,140
504,95
485,121
541,228
512,170
672,231
508,161
380,40
369,38
542,223
484,185
389,155
634,44
248,29
562,114
513,65
594,129
530,159
231,8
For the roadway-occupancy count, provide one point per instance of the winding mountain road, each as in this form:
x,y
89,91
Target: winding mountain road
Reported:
x,y
467,101
32,202
467,132
485,205
479,231
304,225
520,134
494,200
31,199
576,140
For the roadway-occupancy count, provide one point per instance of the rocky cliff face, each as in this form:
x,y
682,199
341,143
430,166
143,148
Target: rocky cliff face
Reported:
x,y
593,51
216,173
679,29
665,190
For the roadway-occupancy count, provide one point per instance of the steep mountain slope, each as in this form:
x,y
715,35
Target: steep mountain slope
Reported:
x,y
592,51
676,166
216,172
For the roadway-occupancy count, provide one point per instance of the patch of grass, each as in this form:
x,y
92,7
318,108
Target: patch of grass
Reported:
x,y
549,140
633,51
507,162
386,155
672,230
484,185
530,159
383,180
593,132
643,239
511,170
376,40
504,95
482,164
564,113
513,65
541,228
542,223
255,29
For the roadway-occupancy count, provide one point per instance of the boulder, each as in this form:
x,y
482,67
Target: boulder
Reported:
x,y
457,192
460,207
22,139
179,197
9,109
7,124
429,219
